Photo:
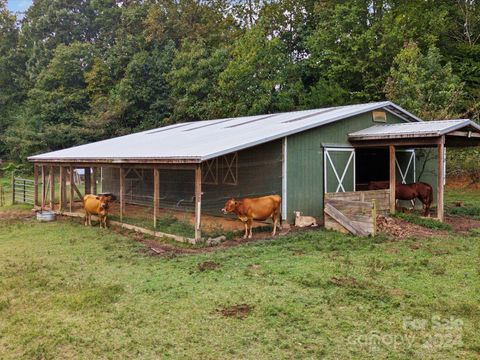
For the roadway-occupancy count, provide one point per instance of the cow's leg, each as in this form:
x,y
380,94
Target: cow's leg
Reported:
x,y
275,220
246,229
100,221
250,225
85,220
105,221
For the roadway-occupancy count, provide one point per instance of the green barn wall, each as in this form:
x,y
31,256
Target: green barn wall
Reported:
x,y
259,173
427,169
305,161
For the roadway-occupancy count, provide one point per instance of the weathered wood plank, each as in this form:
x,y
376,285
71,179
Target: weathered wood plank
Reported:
x,y
440,179
198,202
72,187
393,181
343,220
52,188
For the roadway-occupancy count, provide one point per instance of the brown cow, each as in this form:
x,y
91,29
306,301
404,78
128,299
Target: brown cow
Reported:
x,y
250,209
96,205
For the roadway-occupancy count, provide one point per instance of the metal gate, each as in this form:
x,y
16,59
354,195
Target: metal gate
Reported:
x,y
339,169
23,191
406,166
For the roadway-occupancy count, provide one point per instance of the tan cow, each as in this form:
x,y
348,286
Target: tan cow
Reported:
x,y
250,209
96,205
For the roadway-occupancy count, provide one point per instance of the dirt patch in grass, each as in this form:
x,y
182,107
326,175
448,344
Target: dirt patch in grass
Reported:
x,y
240,311
348,281
208,265
462,224
16,215
401,229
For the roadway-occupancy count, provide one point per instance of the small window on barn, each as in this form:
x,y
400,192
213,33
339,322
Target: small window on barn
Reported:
x,y
230,169
210,172
380,116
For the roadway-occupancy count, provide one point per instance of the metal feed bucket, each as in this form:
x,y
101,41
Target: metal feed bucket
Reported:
x,y
46,216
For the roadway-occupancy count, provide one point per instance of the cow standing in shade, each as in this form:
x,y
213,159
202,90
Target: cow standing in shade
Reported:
x,y
96,205
250,209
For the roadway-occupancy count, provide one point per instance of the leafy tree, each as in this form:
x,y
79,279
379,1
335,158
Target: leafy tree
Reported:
x,y
50,23
193,80
144,91
422,84
55,105
255,80
177,20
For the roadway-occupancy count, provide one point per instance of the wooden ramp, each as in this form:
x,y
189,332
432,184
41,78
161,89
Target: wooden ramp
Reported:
x,y
355,212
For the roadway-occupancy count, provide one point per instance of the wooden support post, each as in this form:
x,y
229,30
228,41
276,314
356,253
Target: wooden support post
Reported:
x,y
88,181
156,195
393,181
52,188
94,181
35,185
440,178
122,192
198,202
63,189
72,185
44,186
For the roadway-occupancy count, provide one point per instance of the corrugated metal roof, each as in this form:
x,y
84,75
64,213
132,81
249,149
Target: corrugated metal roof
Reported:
x,y
412,130
202,140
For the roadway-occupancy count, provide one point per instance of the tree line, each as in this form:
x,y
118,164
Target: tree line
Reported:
x,y
76,71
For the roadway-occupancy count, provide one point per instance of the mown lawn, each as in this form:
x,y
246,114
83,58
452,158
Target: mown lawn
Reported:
x,y
67,291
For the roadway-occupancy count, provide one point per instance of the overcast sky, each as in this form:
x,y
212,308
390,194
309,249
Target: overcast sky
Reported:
x,y
19,5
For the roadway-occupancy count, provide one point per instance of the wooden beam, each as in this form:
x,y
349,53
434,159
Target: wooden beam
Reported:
x,y
63,192
392,178
467,134
88,180
75,188
156,196
72,186
44,186
122,192
35,182
198,202
94,181
440,178
417,142
344,221
52,188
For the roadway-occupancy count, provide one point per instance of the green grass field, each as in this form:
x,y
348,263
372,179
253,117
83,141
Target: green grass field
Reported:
x,y
67,291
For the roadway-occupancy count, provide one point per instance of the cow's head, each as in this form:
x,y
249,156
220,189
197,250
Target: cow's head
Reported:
x,y
297,214
230,206
104,202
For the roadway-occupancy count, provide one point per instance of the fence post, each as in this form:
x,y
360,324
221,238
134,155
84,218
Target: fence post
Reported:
x,y
35,184
13,189
374,216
